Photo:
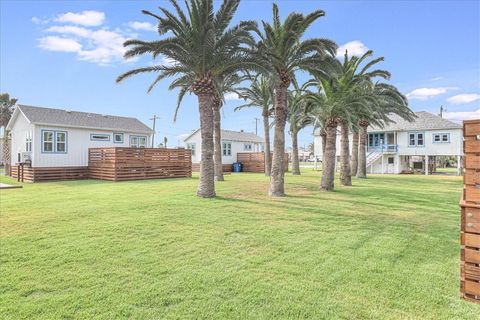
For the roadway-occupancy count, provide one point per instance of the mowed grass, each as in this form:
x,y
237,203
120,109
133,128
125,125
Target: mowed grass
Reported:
x,y
386,248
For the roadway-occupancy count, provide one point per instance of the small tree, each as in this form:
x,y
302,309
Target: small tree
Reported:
x,y
7,106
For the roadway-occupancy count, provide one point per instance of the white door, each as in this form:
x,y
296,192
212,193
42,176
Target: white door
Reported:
x,y
391,165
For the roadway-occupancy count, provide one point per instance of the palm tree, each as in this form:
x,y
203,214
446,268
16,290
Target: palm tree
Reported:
x,y
203,49
299,116
282,51
260,94
354,158
223,86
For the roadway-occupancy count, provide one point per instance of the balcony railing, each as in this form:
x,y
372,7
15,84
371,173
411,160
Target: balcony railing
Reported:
x,y
384,148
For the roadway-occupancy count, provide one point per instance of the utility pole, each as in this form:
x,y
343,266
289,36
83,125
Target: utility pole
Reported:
x,y
155,117
256,125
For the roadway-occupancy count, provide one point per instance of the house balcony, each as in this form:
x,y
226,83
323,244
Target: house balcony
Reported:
x,y
384,148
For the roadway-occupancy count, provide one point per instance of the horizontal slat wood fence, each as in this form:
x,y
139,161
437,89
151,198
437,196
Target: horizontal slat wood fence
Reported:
x,y
44,174
120,164
470,214
255,161
226,167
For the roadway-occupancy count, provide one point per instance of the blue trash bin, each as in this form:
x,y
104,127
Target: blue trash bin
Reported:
x,y
237,167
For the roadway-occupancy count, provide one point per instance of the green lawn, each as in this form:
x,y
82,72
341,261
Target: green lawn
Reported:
x,y
387,248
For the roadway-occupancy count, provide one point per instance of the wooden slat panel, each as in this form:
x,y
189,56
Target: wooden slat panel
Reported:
x,y
472,177
471,240
471,256
472,287
472,145
472,162
471,128
472,194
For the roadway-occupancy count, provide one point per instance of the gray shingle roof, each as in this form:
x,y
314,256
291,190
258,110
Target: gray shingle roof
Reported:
x,y
231,135
67,118
424,121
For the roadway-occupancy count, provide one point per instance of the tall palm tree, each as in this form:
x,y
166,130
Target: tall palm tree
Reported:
x,y
282,50
223,86
203,49
299,116
260,95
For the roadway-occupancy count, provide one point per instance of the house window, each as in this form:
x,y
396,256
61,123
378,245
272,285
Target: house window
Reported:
x,y
54,141
227,149
441,137
118,138
191,146
47,141
391,160
60,142
247,147
99,137
138,141
28,141
416,139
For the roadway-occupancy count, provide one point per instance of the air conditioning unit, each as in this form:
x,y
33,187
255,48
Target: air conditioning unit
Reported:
x,y
24,157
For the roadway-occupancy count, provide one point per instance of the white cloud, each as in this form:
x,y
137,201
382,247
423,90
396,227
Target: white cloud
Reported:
x,y
437,78
38,20
354,48
464,98
101,46
146,26
232,96
85,18
426,93
53,43
462,115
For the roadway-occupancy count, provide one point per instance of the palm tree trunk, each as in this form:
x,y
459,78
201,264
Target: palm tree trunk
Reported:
x,y
295,162
277,187
266,132
206,187
362,153
217,136
323,136
345,177
354,161
328,174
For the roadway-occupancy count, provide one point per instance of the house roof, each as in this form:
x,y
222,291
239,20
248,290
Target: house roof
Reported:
x,y
423,121
75,119
231,135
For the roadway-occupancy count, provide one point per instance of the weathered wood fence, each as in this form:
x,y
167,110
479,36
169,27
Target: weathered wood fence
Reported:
x,y
120,164
255,161
470,206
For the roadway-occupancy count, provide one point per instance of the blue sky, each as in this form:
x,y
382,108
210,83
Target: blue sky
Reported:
x,y
67,54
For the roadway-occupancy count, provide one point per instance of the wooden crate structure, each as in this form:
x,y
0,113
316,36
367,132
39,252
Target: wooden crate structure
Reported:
x,y
26,173
255,161
120,164
470,214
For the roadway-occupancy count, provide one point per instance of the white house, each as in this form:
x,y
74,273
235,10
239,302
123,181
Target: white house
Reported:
x,y
233,142
402,146
50,138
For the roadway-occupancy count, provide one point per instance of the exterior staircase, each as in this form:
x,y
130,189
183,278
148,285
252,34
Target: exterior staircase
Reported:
x,y
373,156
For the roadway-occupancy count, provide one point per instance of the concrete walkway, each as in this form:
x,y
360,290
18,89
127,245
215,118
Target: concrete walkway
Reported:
x,y
9,186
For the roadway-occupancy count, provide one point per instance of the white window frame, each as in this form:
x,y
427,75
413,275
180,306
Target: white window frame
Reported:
x,y
137,143
28,141
248,147
226,149
193,148
440,137
57,133
99,137
415,139
116,134
52,141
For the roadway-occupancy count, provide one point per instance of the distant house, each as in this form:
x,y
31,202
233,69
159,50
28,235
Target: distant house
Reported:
x,y
404,146
233,142
51,138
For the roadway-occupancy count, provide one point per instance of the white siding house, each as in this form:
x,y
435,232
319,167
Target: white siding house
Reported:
x,y
233,142
61,138
402,145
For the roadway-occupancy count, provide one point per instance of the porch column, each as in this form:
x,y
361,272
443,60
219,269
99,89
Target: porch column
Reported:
x,y
383,164
426,165
459,165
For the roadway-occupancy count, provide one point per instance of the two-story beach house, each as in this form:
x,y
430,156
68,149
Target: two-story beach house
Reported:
x,y
56,138
233,142
403,146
